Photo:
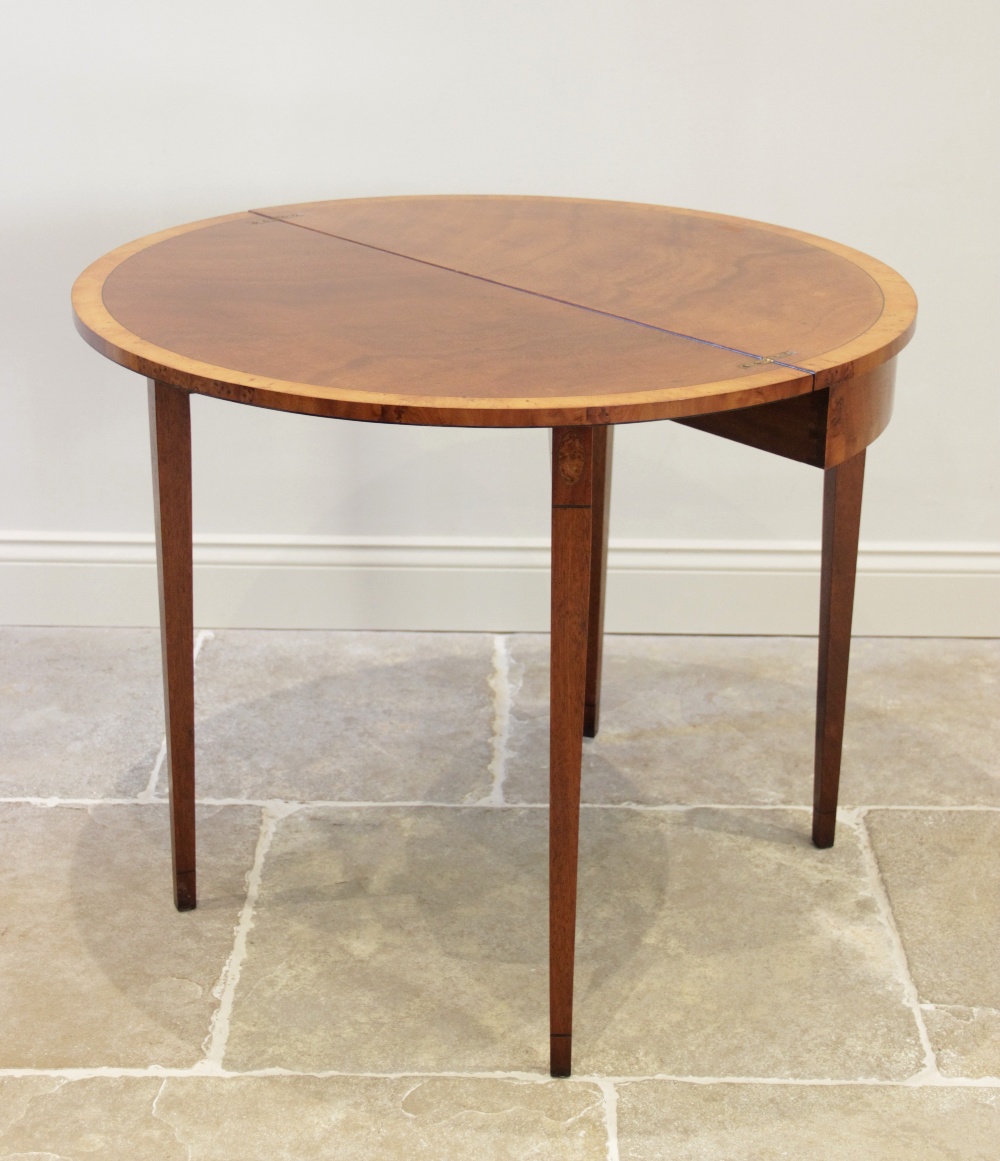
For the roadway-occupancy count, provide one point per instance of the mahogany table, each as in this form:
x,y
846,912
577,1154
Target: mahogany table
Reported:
x,y
513,312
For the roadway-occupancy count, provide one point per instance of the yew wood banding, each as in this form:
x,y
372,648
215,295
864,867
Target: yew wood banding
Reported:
x,y
562,313
859,411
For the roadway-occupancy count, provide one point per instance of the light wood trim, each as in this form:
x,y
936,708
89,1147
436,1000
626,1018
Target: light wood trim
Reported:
x,y
774,382
859,411
111,339
102,331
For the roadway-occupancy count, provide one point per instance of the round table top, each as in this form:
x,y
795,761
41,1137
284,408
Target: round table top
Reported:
x,y
492,311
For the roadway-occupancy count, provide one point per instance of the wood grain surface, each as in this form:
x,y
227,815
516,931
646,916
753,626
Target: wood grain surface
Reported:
x,y
492,311
572,537
842,489
170,444
600,526
754,288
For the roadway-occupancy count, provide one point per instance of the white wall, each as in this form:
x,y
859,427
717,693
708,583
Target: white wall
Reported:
x,y
873,122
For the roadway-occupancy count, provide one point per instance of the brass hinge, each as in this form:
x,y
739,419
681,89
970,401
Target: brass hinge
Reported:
x,y
758,359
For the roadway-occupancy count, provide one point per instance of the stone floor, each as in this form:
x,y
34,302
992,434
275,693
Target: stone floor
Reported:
x,y
365,976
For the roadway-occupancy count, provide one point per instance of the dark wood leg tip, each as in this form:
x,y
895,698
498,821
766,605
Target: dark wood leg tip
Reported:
x,y
185,892
560,1055
824,826
590,715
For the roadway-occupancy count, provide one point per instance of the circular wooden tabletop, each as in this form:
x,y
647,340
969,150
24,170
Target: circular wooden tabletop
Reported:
x,y
492,311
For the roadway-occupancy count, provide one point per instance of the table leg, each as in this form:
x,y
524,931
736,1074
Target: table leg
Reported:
x,y
170,443
842,488
572,495
603,440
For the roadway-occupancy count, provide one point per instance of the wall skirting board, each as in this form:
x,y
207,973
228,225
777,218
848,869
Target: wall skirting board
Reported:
x,y
740,587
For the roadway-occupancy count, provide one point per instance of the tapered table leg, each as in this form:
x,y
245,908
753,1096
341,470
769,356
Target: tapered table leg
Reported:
x,y
842,488
170,441
572,495
603,440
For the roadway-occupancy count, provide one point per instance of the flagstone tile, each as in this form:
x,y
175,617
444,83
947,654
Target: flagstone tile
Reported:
x,y
17,1093
81,711
711,943
339,715
731,720
290,1118
722,943
966,1040
664,1121
97,969
942,875
111,1118
394,939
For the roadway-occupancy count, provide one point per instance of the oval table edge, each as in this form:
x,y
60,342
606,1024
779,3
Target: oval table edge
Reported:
x,y
873,347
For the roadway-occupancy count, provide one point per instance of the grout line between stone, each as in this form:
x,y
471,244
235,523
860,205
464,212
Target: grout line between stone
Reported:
x,y
918,1081
500,685
876,806
149,793
679,807
610,1094
346,803
203,636
351,804
926,1007
215,1042
856,820
49,803
921,1080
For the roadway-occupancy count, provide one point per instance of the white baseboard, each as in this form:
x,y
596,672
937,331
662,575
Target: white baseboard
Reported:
x,y
743,587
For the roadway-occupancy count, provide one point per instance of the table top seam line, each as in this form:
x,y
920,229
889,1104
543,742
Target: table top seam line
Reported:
x,y
764,360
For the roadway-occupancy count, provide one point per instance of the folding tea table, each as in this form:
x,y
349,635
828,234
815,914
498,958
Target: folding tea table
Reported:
x,y
513,312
